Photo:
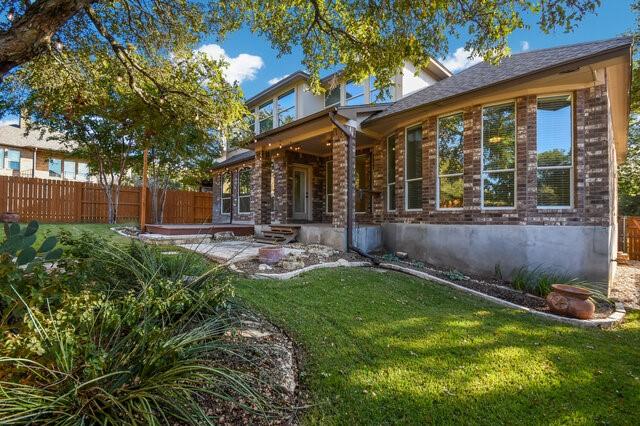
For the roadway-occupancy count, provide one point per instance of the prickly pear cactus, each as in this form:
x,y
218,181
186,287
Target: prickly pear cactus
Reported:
x,y
19,245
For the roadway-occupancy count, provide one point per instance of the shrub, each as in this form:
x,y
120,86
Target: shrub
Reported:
x,y
133,336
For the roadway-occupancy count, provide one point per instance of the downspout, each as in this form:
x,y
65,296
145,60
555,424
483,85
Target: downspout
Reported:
x,y
350,143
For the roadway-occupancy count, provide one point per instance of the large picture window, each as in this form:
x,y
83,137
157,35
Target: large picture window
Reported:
x,y
555,153
329,187
413,168
450,161
265,116
376,95
287,107
391,173
498,156
225,193
55,167
332,97
244,191
354,93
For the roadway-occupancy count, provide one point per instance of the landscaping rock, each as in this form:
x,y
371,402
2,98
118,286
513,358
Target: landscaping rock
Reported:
x,y
402,255
292,262
264,267
223,235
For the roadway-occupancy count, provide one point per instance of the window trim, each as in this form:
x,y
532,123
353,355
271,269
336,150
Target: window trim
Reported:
x,y
387,183
326,187
295,105
406,187
438,175
515,162
222,197
573,151
247,195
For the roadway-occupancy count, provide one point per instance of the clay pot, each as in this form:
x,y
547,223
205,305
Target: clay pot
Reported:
x,y
571,301
8,217
270,255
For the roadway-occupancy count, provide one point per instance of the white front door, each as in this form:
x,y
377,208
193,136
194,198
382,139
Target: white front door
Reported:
x,y
300,193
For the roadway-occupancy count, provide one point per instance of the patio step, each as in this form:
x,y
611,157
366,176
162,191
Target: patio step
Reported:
x,y
278,235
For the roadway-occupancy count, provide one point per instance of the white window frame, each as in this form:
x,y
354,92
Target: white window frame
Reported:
x,y
9,161
438,175
64,169
247,195
406,181
82,176
222,197
393,183
326,185
515,162
570,167
278,111
61,167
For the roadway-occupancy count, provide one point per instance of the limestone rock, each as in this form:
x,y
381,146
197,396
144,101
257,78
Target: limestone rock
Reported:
x,y
264,267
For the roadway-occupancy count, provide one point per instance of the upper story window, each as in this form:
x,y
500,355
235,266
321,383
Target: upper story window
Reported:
x,y
83,171
450,161
391,173
555,153
69,169
287,107
499,156
332,97
265,116
354,93
413,168
244,191
378,96
13,157
225,193
55,167
251,122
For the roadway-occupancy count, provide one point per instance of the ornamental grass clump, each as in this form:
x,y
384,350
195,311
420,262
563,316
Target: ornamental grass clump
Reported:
x,y
134,336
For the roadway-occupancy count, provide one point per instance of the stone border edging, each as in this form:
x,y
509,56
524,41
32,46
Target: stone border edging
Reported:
x,y
288,275
615,318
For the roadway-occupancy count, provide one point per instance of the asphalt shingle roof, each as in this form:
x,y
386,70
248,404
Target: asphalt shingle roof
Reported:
x,y
14,135
519,65
235,159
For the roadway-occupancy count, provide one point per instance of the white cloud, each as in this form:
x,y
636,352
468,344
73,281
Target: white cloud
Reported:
x,y
274,80
524,46
459,60
241,68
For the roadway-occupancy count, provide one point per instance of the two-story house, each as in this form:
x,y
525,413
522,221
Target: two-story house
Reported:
x,y
34,155
494,167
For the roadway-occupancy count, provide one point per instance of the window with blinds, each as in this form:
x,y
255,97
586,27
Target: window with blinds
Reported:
x,y
329,187
391,173
225,193
555,153
499,156
413,168
244,191
450,161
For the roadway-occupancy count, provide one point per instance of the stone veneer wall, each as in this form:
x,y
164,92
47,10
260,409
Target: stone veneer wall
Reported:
x,y
591,170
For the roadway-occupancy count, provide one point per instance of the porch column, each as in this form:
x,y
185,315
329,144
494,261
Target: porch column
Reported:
x,y
281,187
343,179
261,189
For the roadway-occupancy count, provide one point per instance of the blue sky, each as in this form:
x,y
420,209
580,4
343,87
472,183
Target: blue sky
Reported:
x,y
255,64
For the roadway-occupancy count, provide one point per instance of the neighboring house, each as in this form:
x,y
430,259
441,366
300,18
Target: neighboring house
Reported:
x,y
484,171
33,155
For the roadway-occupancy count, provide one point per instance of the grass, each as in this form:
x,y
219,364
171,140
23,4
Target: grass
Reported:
x,y
385,348
98,229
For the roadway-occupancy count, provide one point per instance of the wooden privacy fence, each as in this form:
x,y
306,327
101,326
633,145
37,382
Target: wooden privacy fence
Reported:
x,y
59,201
629,233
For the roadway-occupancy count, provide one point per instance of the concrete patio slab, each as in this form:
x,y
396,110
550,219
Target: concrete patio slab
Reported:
x,y
232,251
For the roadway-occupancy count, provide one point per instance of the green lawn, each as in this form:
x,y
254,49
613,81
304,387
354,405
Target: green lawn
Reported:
x,y
101,229
385,348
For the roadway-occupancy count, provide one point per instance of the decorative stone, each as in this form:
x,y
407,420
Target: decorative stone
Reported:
x,y
343,262
292,262
270,255
264,267
402,255
571,301
223,235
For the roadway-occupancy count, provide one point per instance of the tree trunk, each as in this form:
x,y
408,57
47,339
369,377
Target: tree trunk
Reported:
x,y
30,35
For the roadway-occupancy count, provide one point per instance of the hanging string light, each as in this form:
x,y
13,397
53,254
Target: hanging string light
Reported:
x,y
11,15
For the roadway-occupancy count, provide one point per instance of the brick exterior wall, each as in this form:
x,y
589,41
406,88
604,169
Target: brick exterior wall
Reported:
x,y
591,190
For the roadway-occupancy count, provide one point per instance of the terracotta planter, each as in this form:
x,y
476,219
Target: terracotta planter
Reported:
x,y
571,301
270,255
8,217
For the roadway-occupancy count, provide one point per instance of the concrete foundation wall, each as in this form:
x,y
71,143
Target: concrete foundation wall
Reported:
x,y
580,251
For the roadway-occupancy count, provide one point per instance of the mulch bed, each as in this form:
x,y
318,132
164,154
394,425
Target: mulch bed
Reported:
x,y
498,288
269,359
